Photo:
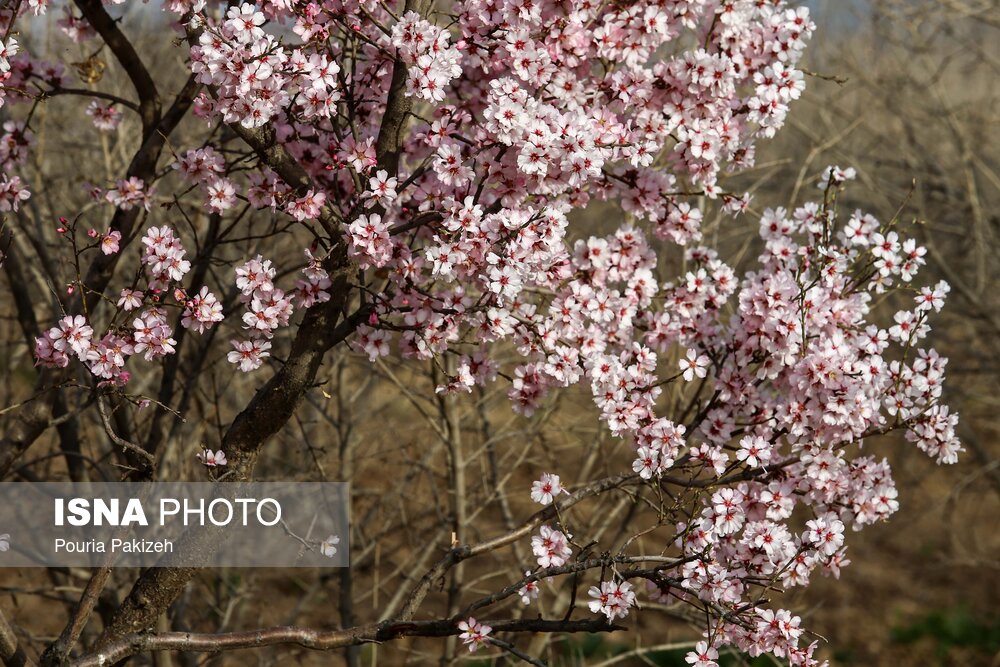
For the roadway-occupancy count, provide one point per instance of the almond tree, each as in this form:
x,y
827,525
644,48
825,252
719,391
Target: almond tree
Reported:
x,y
428,163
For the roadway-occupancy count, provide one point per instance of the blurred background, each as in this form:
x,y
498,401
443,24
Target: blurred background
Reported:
x,y
905,91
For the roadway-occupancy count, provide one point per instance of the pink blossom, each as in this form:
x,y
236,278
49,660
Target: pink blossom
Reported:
x,y
72,335
612,599
129,193
694,364
529,591
754,451
221,194
551,547
201,312
12,193
106,117
130,299
8,49
152,335
370,242
249,354
110,241
474,634
703,655
544,490
212,459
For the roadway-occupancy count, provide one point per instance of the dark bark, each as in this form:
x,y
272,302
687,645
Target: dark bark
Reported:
x,y
324,639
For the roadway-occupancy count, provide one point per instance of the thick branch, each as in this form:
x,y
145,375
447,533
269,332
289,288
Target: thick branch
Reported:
x,y
143,166
281,162
29,421
11,654
58,650
321,639
149,98
268,411
389,143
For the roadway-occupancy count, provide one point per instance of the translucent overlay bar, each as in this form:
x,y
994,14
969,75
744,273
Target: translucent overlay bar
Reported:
x,y
174,524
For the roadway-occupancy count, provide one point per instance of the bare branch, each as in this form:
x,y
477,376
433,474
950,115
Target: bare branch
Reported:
x,y
322,640
10,651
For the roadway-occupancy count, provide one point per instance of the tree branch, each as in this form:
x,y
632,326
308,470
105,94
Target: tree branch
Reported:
x,y
11,654
56,653
322,640
118,440
145,88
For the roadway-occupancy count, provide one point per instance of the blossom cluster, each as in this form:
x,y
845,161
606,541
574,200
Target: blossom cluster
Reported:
x,y
256,77
551,547
425,48
268,308
474,634
612,599
150,332
795,350
460,237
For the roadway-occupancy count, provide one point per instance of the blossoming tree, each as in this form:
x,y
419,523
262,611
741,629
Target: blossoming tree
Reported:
x,y
427,160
